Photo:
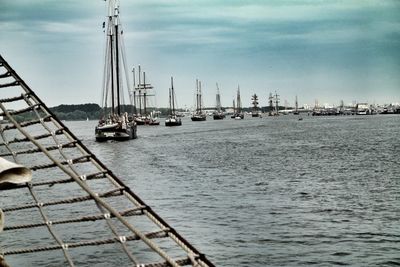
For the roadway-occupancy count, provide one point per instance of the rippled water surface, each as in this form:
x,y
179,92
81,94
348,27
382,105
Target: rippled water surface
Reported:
x,y
270,191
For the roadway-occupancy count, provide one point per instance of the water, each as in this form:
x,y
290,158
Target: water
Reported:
x,y
271,191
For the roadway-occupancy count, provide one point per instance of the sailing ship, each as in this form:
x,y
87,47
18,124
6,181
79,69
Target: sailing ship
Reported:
x,y
238,115
172,119
234,109
296,109
273,110
141,94
199,114
115,124
255,111
218,114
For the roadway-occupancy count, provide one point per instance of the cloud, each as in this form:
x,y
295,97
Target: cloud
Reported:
x,y
283,42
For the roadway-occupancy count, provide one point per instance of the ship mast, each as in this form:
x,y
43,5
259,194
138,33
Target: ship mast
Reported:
x,y
271,105
170,105
133,93
173,96
114,62
200,97
238,102
144,94
276,103
218,99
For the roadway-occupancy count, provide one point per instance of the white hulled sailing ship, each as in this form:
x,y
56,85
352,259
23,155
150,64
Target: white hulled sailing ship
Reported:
x,y
114,124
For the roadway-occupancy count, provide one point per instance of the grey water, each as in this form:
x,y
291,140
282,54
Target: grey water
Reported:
x,y
272,191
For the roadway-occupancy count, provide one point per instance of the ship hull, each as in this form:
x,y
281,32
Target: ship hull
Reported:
x,y
103,134
219,116
198,118
171,123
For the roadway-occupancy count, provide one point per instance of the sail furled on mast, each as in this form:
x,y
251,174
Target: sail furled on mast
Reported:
x,y
115,73
218,100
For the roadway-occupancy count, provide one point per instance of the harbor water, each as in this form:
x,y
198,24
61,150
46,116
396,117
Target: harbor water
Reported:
x,y
272,191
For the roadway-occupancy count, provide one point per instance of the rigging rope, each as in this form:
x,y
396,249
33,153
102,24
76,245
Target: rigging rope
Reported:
x,y
45,137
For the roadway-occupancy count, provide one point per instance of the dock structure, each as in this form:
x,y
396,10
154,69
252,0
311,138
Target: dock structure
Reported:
x,y
74,211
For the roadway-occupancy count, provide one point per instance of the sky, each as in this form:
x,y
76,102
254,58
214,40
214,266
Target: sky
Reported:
x,y
324,50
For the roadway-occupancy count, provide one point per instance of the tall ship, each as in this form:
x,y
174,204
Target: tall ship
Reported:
x,y
172,119
234,109
296,107
141,97
218,113
199,114
238,114
273,99
256,110
114,124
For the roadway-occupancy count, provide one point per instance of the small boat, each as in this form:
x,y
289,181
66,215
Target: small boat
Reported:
x,y
218,114
114,125
172,119
199,114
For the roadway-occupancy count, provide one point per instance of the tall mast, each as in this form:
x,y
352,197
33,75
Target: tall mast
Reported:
x,y
200,96
117,63
296,105
218,99
144,93
111,65
140,100
277,103
238,102
197,95
173,95
134,92
170,107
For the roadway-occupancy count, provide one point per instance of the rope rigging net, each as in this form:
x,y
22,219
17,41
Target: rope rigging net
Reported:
x,y
74,211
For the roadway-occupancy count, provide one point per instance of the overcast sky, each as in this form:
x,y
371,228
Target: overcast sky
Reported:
x,y
316,49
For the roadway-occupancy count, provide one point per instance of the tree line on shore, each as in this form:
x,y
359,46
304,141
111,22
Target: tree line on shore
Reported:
x,y
93,111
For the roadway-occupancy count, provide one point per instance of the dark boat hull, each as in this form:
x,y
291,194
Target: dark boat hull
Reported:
x,y
116,134
173,123
198,118
154,123
218,116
